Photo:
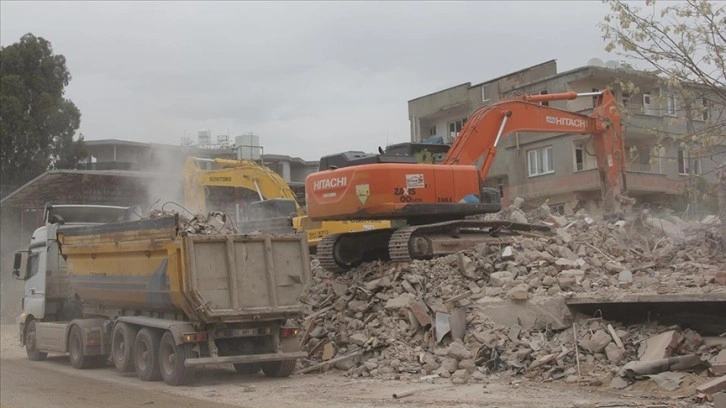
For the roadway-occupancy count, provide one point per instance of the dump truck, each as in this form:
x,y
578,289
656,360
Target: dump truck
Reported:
x,y
159,300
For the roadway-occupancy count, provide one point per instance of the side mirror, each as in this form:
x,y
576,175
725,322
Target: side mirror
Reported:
x,y
17,261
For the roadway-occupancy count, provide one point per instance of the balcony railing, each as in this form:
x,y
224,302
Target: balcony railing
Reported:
x,y
643,168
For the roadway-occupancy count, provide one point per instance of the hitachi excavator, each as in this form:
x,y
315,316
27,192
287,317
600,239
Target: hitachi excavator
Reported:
x,y
431,203
273,198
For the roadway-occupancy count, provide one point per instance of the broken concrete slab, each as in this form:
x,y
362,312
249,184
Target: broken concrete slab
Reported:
x,y
719,399
668,380
399,302
466,266
537,313
499,279
711,387
457,323
420,311
519,292
661,346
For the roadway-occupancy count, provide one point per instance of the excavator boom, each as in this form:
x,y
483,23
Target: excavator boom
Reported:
x,y
396,190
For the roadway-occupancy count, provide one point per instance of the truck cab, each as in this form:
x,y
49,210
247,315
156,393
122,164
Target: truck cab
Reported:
x,y
47,290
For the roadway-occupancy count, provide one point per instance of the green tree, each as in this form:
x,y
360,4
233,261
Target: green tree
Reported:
x,y
685,43
37,123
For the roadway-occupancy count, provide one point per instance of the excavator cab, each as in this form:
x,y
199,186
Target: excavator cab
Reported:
x,y
272,208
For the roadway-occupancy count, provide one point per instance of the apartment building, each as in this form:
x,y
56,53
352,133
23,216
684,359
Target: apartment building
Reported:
x,y
561,168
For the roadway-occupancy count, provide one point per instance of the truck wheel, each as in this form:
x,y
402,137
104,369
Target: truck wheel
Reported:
x,y
31,345
122,347
146,350
247,368
171,360
278,368
75,348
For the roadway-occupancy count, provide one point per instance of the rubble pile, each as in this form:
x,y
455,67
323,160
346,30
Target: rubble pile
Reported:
x,y
213,223
642,253
450,317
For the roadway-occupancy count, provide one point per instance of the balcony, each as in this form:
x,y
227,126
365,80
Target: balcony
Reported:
x,y
639,179
643,168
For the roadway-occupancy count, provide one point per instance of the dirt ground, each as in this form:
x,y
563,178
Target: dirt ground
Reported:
x,y
28,384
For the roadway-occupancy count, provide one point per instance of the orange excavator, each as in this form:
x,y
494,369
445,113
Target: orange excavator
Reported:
x,y
431,204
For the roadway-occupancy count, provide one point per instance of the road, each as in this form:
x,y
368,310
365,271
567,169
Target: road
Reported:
x,y
54,383
27,384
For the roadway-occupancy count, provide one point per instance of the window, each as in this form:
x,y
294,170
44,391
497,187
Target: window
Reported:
x,y
546,103
540,161
671,105
484,94
705,109
625,100
579,156
455,127
432,130
32,265
647,106
686,164
594,98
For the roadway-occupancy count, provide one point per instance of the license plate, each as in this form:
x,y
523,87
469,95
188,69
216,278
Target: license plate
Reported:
x,y
244,332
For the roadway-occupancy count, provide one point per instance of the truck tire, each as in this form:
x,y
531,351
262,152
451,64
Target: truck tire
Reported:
x,y
146,355
247,368
75,348
31,345
122,346
278,368
171,361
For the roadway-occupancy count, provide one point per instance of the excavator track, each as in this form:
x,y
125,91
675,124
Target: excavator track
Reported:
x,y
340,252
415,242
324,253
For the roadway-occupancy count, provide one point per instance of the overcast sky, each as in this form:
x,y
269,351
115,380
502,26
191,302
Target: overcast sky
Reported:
x,y
308,78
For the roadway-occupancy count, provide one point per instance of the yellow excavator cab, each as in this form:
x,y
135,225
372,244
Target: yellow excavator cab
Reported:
x,y
267,185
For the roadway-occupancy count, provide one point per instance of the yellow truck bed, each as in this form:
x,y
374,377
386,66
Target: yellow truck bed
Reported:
x,y
152,265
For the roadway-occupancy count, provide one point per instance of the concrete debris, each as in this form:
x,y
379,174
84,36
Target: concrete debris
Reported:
x,y
668,380
213,223
661,346
502,307
711,387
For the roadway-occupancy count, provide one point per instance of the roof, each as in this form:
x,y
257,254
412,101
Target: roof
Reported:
x,y
110,187
114,142
513,73
467,84
282,158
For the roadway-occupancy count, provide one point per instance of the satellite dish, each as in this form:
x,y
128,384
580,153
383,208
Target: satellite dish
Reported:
x,y
595,62
612,64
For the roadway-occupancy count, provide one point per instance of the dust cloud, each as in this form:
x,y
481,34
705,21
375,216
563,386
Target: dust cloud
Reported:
x,y
165,189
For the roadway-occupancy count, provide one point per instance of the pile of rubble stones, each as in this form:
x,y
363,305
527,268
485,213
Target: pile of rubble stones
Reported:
x,y
426,318
212,223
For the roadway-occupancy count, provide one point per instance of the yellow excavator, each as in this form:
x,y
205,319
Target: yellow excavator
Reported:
x,y
259,197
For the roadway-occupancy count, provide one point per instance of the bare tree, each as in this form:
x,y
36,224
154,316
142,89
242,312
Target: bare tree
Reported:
x,y
685,44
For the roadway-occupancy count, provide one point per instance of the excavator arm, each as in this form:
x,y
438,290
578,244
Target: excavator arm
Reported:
x,y
477,143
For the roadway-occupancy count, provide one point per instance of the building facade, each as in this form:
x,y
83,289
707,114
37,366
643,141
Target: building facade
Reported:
x,y
561,168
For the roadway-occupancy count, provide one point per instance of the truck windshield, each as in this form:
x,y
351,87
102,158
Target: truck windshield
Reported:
x,y
88,214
